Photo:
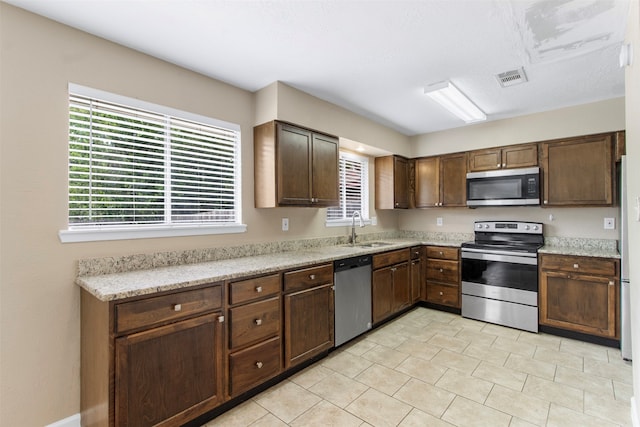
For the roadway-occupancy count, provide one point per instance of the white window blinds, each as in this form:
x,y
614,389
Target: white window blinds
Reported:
x,y
130,166
354,194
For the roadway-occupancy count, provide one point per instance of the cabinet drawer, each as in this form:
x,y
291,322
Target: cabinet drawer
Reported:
x,y
416,252
442,252
443,294
254,322
443,271
582,265
253,289
254,365
390,258
308,278
166,308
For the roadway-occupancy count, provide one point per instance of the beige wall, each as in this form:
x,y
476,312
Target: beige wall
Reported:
x,y
632,92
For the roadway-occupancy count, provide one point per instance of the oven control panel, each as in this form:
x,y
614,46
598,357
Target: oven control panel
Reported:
x,y
509,227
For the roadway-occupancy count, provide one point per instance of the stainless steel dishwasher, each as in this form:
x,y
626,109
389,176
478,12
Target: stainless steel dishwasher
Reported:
x,y
352,280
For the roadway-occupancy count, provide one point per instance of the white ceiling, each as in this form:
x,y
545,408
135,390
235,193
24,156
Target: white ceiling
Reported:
x,y
376,57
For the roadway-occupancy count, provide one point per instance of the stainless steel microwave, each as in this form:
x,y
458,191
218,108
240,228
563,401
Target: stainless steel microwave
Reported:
x,y
504,187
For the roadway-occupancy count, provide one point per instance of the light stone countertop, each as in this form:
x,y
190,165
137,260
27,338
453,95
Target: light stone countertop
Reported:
x,y
109,287
581,247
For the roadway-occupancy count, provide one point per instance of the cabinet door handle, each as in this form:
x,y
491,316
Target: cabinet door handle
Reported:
x,y
504,165
576,266
441,293
259,365
258,322
258,289
498,165
393,269
546,202
220,319
441,253
177,307
312,276
611,282
441,270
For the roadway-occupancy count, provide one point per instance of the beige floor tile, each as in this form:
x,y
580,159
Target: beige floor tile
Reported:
x,y
440,316
457,361
418,418
468,324
517,422
541,340
559,416
450,343
415,333
615,356
530,366
550,391
378,409
346,363
311,375
386,338
464,385
518,404
487,353
618,372
604,407
385,356
476,337
584,349
287,400
418,349
422,369
444,328
359,347
338,389
269,420
587,382
500,375
501,331
240,416
513,346
383,379
427,398
465,412
324,414
622,391
556,357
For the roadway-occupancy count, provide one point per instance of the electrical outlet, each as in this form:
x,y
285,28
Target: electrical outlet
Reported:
x,y
285,224
609,223
374,221
439,221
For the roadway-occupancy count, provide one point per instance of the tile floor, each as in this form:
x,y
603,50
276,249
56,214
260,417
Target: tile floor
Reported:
x,y
430,368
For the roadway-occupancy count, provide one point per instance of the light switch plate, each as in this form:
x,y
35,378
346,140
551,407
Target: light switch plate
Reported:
x,y
609,223
285,224
439,221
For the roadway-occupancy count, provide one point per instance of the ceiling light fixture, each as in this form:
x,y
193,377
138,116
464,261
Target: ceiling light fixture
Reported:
x,y
448,96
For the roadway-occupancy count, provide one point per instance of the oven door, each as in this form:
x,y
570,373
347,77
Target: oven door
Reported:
x,y
500,269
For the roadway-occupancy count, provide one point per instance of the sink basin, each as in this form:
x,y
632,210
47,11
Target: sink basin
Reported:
x,y
373,244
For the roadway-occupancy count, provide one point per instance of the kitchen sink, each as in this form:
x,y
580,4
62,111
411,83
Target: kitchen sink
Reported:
x,y
373,244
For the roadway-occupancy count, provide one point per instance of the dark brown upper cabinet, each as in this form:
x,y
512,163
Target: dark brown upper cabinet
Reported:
x,y
392,182
509,157
441,181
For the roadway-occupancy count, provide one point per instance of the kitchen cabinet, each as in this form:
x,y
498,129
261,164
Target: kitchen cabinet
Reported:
x,y
578,171
254,347
443,276
441,181
308,313
294,166
580,294
391,287
417,276
154,360
508,157
391,182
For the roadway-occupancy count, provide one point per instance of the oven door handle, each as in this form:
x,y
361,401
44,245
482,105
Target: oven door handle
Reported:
x,y
500,258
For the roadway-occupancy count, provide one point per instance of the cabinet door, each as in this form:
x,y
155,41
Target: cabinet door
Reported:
x,y
308,329
325,171
484,160
293,165
586,304
578,172
520,156
453,180
167,375
401,182
416,280
427,182
401,286
382,297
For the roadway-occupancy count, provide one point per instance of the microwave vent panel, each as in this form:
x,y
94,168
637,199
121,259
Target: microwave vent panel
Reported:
x,y
512,78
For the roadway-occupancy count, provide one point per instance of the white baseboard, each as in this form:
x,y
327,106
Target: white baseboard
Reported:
x,y
635,422
72,421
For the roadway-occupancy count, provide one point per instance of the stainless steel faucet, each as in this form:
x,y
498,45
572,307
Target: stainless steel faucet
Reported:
x,y
353,226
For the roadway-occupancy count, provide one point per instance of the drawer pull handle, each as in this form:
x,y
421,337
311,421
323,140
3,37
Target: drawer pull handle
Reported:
x,y
259,365
177,307
441,293
220,319
258,322
258,289
441,253
576,266
611,283
312,276
441,270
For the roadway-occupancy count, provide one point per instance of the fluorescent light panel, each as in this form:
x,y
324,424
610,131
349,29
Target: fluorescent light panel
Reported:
x,y
448,96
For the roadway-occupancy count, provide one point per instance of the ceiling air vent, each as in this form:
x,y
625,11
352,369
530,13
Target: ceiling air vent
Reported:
x,y
512,78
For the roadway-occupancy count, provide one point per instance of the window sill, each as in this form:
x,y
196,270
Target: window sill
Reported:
x,y
77,235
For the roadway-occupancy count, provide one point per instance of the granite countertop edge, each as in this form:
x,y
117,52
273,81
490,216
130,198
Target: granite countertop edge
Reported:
x,y
589,252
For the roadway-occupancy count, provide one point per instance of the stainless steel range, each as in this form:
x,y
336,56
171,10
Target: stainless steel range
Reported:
x,y
500,273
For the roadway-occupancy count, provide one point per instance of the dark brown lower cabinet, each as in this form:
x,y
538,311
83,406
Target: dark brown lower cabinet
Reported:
x,y
391,286
166,375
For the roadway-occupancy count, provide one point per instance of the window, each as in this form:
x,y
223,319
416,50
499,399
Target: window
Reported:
x,y
354,190
143,170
